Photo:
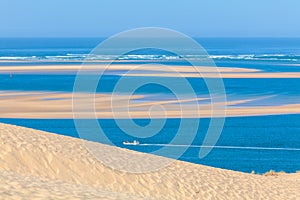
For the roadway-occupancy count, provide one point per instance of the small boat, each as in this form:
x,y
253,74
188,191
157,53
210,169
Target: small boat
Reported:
x,y
135,142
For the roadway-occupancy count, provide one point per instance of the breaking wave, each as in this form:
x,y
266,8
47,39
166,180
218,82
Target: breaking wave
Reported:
x,y
160,57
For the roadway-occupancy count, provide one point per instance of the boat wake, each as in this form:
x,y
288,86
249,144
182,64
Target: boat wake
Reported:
x,y
222,147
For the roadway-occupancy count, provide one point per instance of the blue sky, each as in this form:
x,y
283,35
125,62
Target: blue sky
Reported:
x,y
202,18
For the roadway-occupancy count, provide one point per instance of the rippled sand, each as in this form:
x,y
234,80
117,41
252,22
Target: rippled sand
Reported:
x,y
41,165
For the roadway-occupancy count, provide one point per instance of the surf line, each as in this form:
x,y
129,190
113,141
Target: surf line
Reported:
x,y
222,147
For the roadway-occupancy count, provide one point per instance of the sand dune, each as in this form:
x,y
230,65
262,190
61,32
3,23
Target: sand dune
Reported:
x,y
14,185
40,165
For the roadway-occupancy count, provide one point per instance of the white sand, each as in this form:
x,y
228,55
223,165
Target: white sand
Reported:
x,y
40,165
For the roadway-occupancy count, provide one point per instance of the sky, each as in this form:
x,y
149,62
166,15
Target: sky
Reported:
x,y
103,18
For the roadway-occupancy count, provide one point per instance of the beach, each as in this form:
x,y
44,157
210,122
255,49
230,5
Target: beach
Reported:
x,y
32,162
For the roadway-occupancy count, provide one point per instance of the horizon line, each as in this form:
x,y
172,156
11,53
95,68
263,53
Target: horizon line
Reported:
x,y
101,37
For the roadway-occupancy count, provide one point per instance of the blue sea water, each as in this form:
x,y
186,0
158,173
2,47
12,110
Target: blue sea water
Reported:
x,y
269,54
271,91
275,139
263,132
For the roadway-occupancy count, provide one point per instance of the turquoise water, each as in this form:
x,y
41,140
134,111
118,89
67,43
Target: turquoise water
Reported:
x,y
258,143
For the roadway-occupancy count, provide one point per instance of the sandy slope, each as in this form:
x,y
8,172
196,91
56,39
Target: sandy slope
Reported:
x,y
44,166
19,186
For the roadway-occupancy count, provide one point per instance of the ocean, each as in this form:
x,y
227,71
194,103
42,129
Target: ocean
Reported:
x,y
256,143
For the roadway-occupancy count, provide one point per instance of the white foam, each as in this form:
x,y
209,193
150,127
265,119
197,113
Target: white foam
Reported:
x,y
162,57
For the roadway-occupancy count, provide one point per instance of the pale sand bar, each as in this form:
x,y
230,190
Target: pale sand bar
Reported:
x,y
100,67
221,75
151,70
47,105
40,165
